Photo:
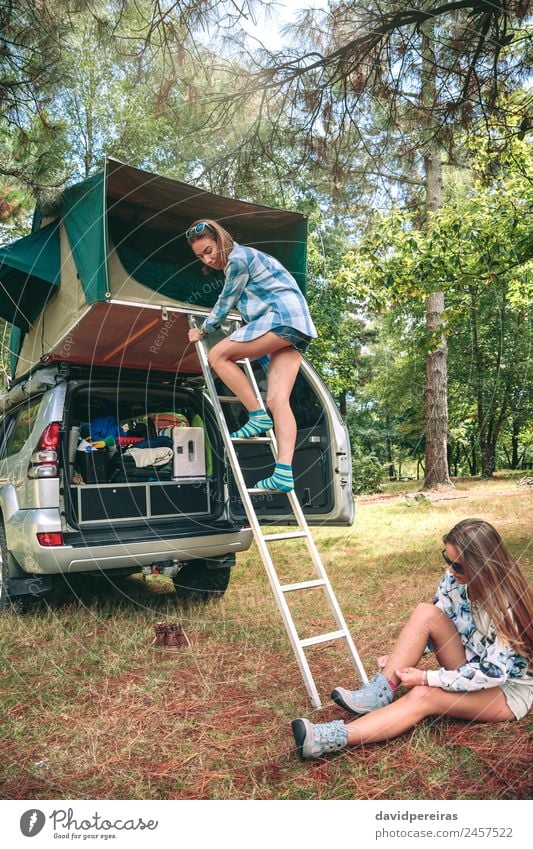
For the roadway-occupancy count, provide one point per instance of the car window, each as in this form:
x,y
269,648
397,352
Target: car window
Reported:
x,y
19,433
6,430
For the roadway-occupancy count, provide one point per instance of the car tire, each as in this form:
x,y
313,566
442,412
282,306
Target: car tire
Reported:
x,y
197,582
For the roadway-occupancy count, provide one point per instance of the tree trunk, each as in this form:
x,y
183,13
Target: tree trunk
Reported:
x,y
473,461
342,404
456,458
436,389
515,459
388,443
436,398
488,459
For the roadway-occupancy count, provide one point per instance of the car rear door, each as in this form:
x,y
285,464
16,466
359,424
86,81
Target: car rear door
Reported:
x,y
322,459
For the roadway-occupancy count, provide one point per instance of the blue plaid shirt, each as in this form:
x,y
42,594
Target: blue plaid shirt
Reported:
x,y
264,293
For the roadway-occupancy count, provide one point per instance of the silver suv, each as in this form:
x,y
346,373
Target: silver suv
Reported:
x,y
62,512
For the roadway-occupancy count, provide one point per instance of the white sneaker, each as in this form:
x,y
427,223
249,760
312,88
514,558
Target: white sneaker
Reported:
x,y
313,741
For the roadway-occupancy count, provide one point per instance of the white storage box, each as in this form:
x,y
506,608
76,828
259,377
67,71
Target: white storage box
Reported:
x,y
188,444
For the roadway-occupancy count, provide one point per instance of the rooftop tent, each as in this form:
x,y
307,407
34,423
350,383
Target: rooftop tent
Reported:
x,y
148,216
29,275
127,270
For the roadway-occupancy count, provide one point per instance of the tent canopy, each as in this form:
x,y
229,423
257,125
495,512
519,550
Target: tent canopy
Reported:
x,y
144,218
119,237
29,275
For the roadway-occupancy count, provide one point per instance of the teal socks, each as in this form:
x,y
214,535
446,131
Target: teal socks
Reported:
x,y
258,423
281,480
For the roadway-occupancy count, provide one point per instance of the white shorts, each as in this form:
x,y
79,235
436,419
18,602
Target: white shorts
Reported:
x,y
518,696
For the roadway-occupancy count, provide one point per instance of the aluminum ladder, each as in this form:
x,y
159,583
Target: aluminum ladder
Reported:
x,y
264,540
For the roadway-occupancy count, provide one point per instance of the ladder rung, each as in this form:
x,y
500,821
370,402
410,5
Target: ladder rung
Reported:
x,y
304,585
290,535
253,491
239,440
229,399
322,638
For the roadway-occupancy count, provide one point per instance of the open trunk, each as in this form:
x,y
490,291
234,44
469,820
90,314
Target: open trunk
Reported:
x,y
116,485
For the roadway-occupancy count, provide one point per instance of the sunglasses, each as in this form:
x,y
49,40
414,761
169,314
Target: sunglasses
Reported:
x,y
197,229
455,566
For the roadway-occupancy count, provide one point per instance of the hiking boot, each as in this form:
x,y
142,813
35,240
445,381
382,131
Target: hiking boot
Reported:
x,y
376,694
176,637
160,639
313,741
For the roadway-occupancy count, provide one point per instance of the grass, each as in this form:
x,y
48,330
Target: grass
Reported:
x,y
91,711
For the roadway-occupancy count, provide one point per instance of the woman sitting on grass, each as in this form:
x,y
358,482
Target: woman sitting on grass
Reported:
x,y
480,628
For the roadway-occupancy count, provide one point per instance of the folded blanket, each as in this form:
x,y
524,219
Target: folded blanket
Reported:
x,y
150,456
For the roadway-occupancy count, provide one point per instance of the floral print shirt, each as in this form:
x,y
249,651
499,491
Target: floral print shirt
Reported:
x,y
490,661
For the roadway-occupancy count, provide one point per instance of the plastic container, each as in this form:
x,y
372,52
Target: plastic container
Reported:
x,y
188,444
93,465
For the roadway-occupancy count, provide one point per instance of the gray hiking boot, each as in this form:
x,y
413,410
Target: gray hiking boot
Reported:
x,y
376,694
313,741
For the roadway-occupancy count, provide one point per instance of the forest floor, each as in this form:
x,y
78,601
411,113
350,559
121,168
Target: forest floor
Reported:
x,y
90,710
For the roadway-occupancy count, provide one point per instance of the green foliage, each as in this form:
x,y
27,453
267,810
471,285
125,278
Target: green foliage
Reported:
x,y
474,239
478,248
368,473
385,417
336,353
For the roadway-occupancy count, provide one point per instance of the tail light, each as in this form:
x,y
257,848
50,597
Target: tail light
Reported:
x,y
44,461
50,538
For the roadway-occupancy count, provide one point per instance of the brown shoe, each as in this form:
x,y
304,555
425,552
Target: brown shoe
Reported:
x,y
161,634
176,637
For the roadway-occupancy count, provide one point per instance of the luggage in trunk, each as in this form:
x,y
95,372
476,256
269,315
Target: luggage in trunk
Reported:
x,y
135,478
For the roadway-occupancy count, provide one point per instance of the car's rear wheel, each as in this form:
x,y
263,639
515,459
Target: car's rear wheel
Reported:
x,y
201,580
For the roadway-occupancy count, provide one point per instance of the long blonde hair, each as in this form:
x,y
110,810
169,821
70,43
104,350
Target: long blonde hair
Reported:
x,y
214,231
495,582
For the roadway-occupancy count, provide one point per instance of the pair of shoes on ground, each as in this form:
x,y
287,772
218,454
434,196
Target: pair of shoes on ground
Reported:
x,y
169,635
313,741
260,422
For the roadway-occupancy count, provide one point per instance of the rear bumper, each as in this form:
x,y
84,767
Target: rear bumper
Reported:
x,y
24,525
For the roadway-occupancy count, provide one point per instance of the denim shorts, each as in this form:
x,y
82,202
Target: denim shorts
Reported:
x,y
300,341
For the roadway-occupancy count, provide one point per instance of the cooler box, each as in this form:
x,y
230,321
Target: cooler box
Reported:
x,y
188,444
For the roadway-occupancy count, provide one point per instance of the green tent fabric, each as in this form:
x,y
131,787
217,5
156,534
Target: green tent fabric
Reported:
x,y
83,209
186,284
16,339
148,216
29,275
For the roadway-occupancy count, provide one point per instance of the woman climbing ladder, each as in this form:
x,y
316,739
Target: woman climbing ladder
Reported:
x,y
278,325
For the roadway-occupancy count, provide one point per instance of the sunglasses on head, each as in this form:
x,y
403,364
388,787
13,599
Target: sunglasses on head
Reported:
x,y
197,229
455,566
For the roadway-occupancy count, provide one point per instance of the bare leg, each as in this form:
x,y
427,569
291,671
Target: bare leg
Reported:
x,y
284,366
222,359
427,622
394,719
